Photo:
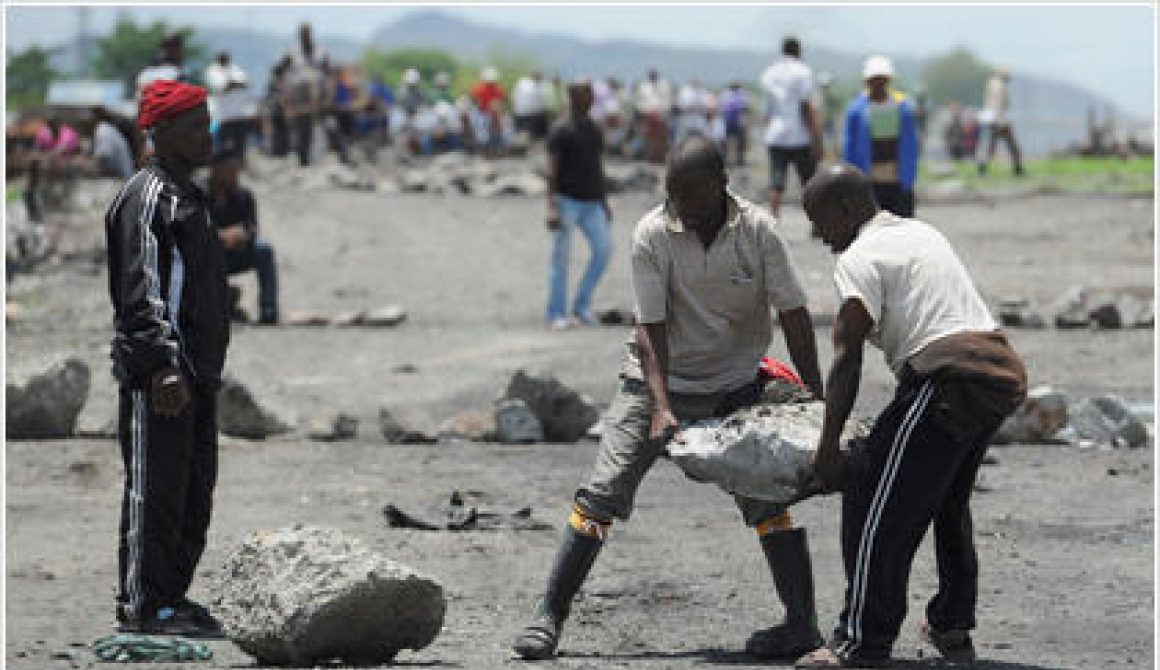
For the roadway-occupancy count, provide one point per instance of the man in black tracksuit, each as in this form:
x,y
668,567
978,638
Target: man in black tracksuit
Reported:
x,y
168,289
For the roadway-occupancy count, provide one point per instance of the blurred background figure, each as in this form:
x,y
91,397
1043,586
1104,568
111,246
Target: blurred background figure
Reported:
x,y
735,112
793,129
996,120
113,153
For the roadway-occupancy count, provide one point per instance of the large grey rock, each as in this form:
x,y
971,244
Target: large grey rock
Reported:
x,y
44,403
565,414
516,424
1108,420
241,415
307,596
1072,311
1038,420
761,452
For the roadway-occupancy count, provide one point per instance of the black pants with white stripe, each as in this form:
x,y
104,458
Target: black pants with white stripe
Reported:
x,y
917,466
170,472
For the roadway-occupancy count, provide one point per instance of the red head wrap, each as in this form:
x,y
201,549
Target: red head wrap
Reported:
x,y
163,99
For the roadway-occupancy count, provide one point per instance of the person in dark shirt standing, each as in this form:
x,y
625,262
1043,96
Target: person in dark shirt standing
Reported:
x,y
167,286
576,199
235,214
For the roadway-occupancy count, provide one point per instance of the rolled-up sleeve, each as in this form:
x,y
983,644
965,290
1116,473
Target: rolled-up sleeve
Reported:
x,y
782,285
649,282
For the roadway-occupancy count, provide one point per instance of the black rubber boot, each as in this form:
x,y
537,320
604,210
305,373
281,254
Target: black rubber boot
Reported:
x,y
574,559
789,561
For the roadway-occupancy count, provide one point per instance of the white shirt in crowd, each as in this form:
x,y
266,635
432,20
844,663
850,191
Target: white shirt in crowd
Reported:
x,y
654,97
912,284
527,97
218,77
111,148
998,101
787,83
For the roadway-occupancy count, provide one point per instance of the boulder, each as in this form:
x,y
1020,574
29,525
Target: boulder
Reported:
x,y
241,415
333,426
1018,313
516,424
565,414
396,431
1072,311
308,596
1105,313
1108,420
1038,420
44,403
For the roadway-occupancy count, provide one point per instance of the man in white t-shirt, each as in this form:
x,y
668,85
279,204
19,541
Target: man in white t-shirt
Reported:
x,y
529,106
997,120
793,131
902,287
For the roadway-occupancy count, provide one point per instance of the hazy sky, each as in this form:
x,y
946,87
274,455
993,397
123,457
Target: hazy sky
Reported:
x,y
1107,48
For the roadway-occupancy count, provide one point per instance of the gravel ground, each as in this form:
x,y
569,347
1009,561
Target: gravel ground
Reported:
x,y
1065,536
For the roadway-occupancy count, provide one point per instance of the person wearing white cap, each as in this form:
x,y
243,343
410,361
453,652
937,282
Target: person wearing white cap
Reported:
x,y
881,137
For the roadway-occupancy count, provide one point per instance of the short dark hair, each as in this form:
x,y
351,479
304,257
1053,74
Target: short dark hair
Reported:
x,y
696,154
790,46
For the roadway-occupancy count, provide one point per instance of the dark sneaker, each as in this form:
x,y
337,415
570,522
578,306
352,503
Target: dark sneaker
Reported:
x,y
538,640
953,645
783,642
198,612
180,621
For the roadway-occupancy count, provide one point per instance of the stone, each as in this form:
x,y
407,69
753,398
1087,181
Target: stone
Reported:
x,y
1104,313
1018,313
516,424
333,426
615,316
347,319
1071,311
308,596
384,317
621,177
396,431
763,452
473,425
241,415
520,183
413,181
1146,317
1038,420
44,401
306,318
1108,420
565,414
347,177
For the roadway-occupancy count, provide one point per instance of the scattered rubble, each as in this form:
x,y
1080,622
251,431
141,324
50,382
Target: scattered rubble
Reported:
x,y
1018,313
565,414
307,596
1107,420
43,402
241,415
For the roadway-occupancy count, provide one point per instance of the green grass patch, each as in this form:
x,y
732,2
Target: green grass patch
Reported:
x,y
1064,175
12,192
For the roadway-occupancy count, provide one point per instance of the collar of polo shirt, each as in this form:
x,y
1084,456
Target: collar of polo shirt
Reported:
x,y
732,214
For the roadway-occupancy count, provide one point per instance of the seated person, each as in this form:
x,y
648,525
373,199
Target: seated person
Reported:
x,y
236,217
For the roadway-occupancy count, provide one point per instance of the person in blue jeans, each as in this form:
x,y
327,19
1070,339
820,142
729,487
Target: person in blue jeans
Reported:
x,y
576,199
236,217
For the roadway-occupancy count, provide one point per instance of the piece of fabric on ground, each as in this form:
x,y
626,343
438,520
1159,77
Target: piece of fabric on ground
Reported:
x,y
126,648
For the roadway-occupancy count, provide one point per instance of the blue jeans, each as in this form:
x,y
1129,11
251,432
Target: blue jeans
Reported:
x,y
590,217
258,256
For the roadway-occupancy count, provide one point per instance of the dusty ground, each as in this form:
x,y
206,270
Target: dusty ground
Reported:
x,y
1065,536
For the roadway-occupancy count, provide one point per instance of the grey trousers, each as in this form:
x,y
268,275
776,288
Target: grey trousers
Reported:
x,y
626,453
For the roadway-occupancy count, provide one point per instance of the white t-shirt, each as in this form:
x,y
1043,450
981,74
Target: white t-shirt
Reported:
x,y
786,84
912,284
527,98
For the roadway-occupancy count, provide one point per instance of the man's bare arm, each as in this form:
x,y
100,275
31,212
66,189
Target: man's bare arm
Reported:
x,y
798,329
850,330
653,341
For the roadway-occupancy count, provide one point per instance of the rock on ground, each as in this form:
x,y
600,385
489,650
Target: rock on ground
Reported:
x,y
1039,419
45,403
241,415
333,426
1108,420
516,424
565,414
401,431
311,595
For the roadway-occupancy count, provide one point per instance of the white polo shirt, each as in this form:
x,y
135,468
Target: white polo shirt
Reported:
x,y
716,302
912,284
